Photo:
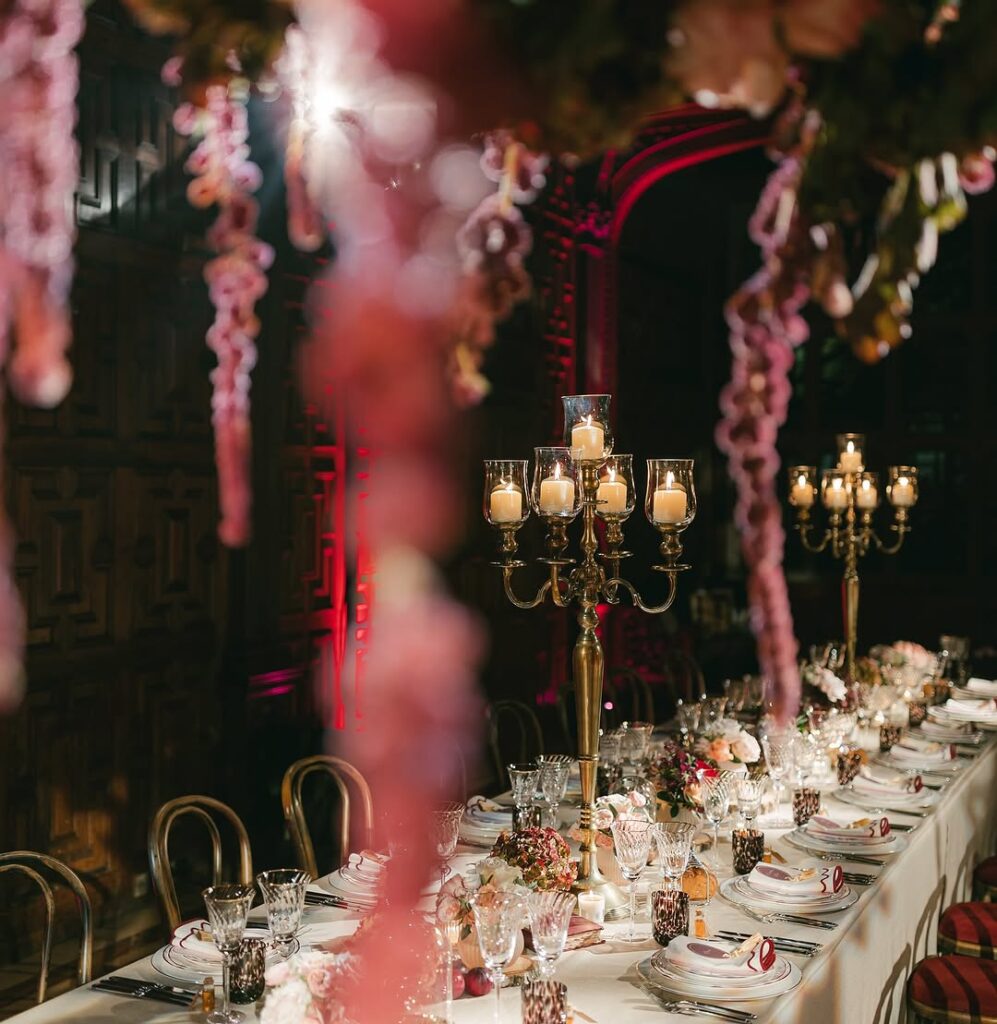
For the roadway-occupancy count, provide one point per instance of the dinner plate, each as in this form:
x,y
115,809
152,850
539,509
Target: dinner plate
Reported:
x,y
779,971
924,767
900,802
798,838
183,961
939,733
733,993
739,891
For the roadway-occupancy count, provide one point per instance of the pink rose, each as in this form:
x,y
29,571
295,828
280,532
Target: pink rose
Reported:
x,y
320,982
718,750
447,908
745,748
602,819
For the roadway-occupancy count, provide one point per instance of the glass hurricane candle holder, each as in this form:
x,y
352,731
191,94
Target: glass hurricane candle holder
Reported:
x,y
901,489
555,493
506,503
616,496
802,486
587,431
834,490
670,506
850,449
867,492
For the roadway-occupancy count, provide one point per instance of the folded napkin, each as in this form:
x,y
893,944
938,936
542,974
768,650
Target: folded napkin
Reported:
x,y
194,939
367,866
984,687
862,829
974,710
886,783
481,809
953,731
713,957
812,878
923,753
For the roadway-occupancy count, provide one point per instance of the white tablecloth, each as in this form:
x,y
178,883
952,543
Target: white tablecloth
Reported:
x,y
858,978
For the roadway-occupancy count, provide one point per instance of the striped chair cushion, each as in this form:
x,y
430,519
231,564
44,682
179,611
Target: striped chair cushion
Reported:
x,y
969,928
954,990
985,879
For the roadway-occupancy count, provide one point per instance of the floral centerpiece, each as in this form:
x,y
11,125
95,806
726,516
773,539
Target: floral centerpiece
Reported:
x,y
674,773
540,854
308,987
611,808
913,662
727,743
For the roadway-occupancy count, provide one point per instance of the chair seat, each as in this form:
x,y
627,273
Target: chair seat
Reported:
x,y
985,879
954,990
969,929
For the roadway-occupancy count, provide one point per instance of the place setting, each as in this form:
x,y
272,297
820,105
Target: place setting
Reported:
x,y
980,712
876,786
924,755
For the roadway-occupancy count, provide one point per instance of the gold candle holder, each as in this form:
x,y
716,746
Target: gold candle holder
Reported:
x,y
850,496
604,490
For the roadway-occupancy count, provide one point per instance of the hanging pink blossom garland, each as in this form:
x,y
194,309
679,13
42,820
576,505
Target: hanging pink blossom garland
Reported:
x,y
39,162
236,278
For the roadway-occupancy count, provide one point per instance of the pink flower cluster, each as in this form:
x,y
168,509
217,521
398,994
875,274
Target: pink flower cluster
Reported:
x,y
39,164
308,989
236,277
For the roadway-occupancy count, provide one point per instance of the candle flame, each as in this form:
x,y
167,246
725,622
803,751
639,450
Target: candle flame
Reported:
x,y
866,484
837,483
509,486
801,480
902,481
612,474
669,479
557,470
850,447
588,420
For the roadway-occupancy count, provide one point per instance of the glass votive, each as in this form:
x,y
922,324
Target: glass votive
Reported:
x,y
247,970
748,845
806,803
888,735
849,762
526,817
917,711
544,1002
592,906
669,915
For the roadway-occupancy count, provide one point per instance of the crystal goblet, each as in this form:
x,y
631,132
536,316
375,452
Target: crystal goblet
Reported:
x,y
284,893
632,839
228,907
498,918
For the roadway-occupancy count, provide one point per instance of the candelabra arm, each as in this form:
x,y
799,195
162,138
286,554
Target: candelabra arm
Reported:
x,y
901,528
609,589
809,545
507,571
562,600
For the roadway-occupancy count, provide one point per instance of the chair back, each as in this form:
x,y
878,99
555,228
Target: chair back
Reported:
x,y
204,808
30,865
514,734
684,676
340,772
631,696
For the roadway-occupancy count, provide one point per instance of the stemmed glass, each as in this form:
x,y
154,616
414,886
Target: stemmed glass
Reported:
x,y
779,747
284,892
632,839
228,907
635,739
674,839
714,795
749,798
554,771
687,716
498,918
804,755
550,915
523,779
446,831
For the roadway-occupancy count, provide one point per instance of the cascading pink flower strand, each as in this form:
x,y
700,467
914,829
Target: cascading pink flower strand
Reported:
x,y
236,278
39,78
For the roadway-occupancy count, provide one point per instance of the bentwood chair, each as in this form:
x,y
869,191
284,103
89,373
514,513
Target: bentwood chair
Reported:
x,y
30,865
341,772
631,696
684,676
205,809
514,735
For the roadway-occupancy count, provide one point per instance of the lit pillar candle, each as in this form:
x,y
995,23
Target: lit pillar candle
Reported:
x,y
802,494
612,495
850,460
588,440
669,502
836,497
506,504
867,496
557,493
902,492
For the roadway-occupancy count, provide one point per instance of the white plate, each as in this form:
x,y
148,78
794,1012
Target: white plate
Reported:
x,y
922,801
728,994
802,841
737,891
922,767
171,962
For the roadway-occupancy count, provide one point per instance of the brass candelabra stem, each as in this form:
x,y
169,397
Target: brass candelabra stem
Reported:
x,y
582,584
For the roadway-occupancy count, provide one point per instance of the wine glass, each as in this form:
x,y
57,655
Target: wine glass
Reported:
x,y
674,840
554,771
714,795
498,918
550,915
284,892
632,839
523,779
445,822
779,746
687,716
749,798
228,907
804,755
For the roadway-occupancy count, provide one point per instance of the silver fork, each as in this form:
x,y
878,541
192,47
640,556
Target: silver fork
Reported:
x,y
691,1007
812,922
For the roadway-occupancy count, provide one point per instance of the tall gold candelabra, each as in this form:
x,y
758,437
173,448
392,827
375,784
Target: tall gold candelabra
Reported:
x,y
851,495
585,478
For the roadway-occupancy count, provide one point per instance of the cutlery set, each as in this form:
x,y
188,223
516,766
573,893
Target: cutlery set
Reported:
x,y
693,1008
799,946
137,989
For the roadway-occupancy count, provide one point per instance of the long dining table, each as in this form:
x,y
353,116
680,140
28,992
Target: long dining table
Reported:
x,y
858,977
